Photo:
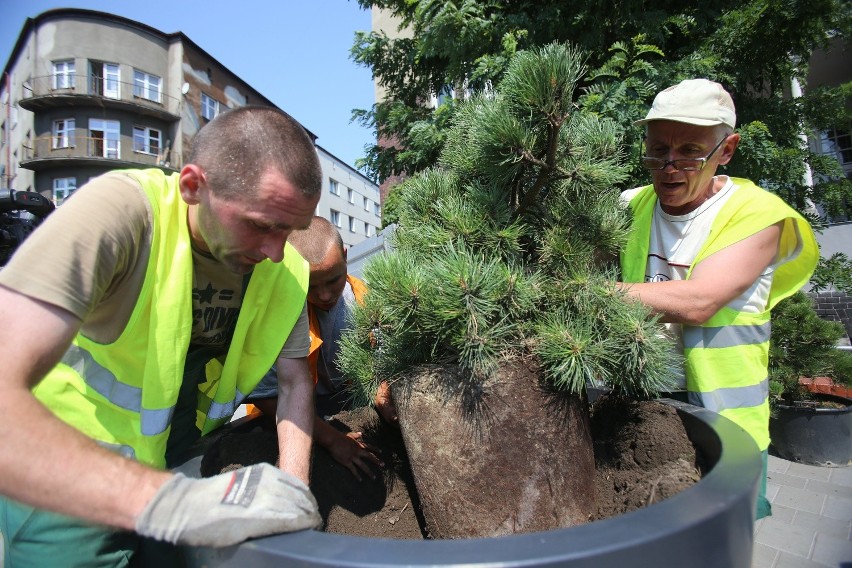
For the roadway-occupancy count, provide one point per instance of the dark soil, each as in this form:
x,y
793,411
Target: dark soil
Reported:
x,y
383,507
642,456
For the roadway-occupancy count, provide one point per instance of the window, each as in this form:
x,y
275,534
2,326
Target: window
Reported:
x,y
351,224
104,138
445,95
147,140
62,189
63,74
335,218
839,143
377,209
63,133
333,187
105,79
146,86
351,195
368,230
209,107
366,204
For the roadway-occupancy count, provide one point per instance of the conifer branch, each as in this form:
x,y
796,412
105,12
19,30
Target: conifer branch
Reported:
x,y
546,167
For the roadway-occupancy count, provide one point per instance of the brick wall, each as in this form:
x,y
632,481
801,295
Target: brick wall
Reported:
x,y
834,306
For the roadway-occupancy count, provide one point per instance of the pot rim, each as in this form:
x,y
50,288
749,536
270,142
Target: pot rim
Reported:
x,y
721,504
826,396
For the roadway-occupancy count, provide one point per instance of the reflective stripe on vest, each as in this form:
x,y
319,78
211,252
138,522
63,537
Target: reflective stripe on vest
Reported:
x,y
731,397
696,337
120,449
225,410
125,396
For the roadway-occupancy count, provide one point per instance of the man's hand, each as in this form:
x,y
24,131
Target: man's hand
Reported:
x,y
229,508
352,451
385,405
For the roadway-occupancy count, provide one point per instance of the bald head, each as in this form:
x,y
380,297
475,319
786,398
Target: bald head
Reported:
x,y
314,242
321,245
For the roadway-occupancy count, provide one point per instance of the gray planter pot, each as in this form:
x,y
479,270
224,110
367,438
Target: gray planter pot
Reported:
x,y
709,525
814,436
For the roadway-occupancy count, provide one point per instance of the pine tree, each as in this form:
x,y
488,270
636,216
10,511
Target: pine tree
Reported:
x,y
510,246
503,276
803,345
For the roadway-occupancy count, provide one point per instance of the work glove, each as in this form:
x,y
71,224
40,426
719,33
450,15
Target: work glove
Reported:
x,y
229,508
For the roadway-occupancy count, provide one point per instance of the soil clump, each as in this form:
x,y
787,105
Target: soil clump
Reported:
x,y
483,461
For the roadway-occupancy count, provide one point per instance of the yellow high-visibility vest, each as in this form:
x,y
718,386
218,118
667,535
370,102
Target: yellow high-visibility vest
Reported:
x,y
123,394
727,358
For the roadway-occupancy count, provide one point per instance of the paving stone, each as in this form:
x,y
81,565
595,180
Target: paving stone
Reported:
x,y
800,499
786,538
783,514
763,556
809,471
785,560
772,491
822,525
831,489
831,551
787,480
777,464
838,508
810,526
841,476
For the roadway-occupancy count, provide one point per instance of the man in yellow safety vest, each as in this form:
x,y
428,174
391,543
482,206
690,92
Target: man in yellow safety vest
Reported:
x,y
713,254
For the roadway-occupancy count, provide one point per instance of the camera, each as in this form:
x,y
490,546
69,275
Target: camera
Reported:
x,y
20,213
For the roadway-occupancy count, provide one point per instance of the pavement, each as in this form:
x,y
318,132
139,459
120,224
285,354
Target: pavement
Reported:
x,y
811,522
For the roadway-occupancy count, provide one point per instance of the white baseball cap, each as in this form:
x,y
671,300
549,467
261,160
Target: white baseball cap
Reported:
x,y
693,101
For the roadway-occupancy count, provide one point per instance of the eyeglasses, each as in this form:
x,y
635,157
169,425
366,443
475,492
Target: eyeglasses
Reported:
x,y
681,164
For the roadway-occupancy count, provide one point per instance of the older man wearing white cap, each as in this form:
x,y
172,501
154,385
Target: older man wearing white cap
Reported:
x,y
712,255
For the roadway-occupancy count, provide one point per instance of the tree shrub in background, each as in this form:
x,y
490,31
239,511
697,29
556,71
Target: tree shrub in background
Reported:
x,y
803,345
756,48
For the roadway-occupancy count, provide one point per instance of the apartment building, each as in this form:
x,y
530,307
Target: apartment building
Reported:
x,y
84,92
350,200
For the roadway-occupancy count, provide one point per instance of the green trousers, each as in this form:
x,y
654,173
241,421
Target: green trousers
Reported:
x,y
764,508
33,538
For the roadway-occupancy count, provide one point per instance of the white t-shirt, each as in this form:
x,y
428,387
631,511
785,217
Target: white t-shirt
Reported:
x,y
674,244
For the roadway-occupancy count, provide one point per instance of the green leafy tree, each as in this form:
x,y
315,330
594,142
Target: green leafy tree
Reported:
x,y
755,48
509,246
833,272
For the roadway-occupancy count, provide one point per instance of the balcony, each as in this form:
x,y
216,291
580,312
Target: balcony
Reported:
x,y
54,91
82,149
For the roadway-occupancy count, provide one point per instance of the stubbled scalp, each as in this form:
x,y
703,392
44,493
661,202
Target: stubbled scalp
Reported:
x,y
238,146
314,242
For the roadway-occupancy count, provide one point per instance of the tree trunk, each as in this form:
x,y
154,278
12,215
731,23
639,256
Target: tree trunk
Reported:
x,y
519,459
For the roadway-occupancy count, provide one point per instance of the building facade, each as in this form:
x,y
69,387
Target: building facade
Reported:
x,y
85,92
350,200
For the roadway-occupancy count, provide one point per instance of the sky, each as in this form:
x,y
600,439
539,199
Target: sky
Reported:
x,y
294,52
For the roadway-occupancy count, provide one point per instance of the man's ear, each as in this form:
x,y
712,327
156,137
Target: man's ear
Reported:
x,y
191,181
728,149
